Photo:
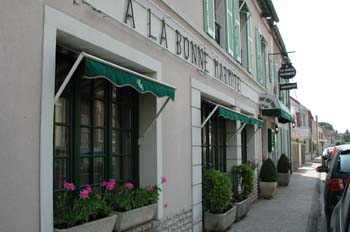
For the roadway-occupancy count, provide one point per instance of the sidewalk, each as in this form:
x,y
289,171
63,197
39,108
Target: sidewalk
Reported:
x,y
292,209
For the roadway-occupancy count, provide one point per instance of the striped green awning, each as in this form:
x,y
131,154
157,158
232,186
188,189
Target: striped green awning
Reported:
x,y
120,77
233,115
255,121
271,106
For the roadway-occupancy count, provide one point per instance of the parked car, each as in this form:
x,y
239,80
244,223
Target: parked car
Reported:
x,y
325,154
341,213
338,174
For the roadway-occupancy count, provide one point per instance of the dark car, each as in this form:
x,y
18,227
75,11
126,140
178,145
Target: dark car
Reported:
x,y
341,213
325,154
336,180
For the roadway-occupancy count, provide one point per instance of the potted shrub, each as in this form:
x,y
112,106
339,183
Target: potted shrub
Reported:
x,y
283,167
242,187
219,214
86,210
134,206
268,179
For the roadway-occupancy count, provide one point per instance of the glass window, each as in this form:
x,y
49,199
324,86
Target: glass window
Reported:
x,y
213,139
94,130
344,163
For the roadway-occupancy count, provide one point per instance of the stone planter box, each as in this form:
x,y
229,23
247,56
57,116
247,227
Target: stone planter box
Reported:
x,y
267,189
283,179
135,217
219,222
101,225
242,208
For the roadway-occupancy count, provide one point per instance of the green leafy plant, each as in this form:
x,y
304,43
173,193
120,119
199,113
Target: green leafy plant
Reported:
x,y
268,172
216,191
283,164
242,181
74,208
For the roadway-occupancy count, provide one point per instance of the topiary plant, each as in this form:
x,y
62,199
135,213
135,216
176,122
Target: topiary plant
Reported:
x,y
283,165
268,172
216,191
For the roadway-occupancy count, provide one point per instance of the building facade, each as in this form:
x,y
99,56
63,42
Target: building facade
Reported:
x,y
135,90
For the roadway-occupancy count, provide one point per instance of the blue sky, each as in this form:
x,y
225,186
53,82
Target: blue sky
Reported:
x,y
318,31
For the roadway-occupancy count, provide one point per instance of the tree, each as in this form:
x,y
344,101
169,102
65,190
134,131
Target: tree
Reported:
x,y
326,125
346,136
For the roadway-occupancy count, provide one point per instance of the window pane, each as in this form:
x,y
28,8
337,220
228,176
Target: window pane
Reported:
x,y
114,93
61,175
99,88
126,142
99,140
115,141
85,87
61,141
85,141
126,167
115,116
99,114
84,171
116,168
62,111
98,169
85,112
126,118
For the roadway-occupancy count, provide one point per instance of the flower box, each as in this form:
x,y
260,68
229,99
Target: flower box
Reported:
x,y
105,224
135,217
242,208
219,222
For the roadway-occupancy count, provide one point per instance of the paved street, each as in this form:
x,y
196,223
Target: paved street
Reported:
x,y
295,208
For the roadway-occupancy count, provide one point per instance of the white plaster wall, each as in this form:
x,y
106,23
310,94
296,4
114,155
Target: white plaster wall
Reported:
x,y
21,29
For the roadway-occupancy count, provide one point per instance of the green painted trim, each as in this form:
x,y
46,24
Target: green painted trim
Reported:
x,y
283,116
255,121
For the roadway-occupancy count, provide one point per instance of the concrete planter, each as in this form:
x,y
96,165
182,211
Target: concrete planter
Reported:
x,y
242,208
219,222
101,225
267,189
135,217
283,179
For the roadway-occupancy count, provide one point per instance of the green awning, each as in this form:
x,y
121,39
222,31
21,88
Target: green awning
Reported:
x,y
120,77
233,115
255,121
271,106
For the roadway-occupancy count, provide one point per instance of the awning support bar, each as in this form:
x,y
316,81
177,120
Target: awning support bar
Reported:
x,y
209,116
69,76
238,130
153,121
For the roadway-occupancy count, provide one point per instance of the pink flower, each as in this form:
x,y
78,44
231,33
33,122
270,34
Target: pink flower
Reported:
x,y
110,184
84,194
69,186
166,205
129,185
104,184
164,180
88,188
150,188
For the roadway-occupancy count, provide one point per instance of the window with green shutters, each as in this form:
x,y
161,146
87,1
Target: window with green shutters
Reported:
x,y
236,31
258,56
249,43
229,27
209,17
265,63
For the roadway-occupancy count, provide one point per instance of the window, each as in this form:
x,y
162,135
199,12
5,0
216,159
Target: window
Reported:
x,y
95,129
209,17
220,26
246,37
213,139
275,78
244,142
262,63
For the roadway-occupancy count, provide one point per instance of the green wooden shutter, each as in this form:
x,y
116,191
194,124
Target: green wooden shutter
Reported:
x,y
229,27
258,55
266,64
249,43
236,31
209,17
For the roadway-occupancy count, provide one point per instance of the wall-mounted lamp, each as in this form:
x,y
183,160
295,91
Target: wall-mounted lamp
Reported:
x,y
293,124
276,129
